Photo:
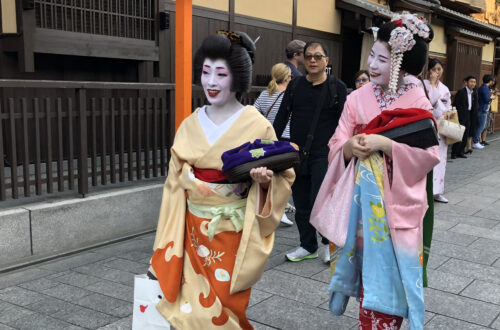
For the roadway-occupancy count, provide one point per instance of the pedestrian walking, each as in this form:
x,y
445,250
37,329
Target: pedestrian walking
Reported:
x,y
382,257
313,104
439,96
484,100
466,103
205,264
295,56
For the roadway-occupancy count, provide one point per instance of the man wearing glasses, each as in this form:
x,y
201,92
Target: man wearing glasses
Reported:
x,y
313,103
295,56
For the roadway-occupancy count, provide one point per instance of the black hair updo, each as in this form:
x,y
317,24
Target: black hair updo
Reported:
x,y
238,53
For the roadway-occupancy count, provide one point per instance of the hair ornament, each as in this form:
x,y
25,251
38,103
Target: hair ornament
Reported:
x,y
406,26
233,36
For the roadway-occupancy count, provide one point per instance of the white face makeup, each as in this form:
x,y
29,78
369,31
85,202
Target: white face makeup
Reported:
x,y
379,64
216,79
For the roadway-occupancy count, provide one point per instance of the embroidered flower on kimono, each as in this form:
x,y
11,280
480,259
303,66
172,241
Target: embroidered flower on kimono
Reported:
x,y
421,255
257,153
378,210
384,99
222,275
202,251
186,308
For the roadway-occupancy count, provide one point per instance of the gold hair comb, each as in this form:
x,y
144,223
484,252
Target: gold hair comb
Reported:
x,y
233,36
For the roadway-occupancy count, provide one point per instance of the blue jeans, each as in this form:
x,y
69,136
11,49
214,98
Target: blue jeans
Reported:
x,y
481,123
304,190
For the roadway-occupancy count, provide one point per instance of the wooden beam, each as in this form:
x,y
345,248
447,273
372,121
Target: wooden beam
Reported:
x,y
26,57
183,54
231,15
294,19
50,41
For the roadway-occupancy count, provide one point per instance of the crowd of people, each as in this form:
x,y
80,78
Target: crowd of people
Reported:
x,y
206,265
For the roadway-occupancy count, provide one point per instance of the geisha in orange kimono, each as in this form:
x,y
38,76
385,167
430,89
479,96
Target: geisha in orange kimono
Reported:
x,y
214,237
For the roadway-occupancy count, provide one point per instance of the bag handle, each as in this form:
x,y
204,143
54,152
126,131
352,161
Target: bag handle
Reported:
x,y
272,105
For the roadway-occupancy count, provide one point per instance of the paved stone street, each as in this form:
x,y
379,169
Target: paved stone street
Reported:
x,y
94,289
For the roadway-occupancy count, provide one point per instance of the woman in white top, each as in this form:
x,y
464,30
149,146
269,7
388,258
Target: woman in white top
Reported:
x,y
269,101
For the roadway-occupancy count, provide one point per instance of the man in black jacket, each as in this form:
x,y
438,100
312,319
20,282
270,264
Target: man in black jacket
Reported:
x,y
300,103
466,102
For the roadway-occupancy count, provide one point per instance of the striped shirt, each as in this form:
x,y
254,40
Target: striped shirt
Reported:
x,y
264,102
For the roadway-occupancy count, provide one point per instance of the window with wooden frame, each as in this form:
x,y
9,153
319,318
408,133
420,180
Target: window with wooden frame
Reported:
x,y
118,18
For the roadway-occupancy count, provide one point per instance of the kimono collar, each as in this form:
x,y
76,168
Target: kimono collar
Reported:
x,y
385,99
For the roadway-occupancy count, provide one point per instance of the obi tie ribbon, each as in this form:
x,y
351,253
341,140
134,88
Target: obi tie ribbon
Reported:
x,y
234,211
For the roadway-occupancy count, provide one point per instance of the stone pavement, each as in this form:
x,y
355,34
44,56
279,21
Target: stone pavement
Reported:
x,y
94,289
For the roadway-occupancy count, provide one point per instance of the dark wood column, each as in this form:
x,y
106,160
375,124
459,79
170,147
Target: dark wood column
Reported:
x,y
464,57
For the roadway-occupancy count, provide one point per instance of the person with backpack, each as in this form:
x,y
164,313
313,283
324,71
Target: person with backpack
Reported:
x,y
313,103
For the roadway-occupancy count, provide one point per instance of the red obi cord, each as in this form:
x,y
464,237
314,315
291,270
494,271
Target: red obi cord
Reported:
x,y
209,175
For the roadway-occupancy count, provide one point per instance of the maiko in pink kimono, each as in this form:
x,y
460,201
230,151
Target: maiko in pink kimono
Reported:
x,y
397,173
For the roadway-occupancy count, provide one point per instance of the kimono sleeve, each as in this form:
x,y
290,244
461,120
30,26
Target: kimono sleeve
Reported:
x,y
344,131
171,220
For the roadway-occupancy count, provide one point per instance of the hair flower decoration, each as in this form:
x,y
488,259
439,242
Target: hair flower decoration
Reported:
x,y
402,40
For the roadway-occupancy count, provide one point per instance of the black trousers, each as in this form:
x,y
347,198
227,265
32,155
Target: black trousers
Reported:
x,y
304,190
464,119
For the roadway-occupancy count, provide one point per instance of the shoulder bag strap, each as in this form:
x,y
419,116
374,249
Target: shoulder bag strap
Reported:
x,y
294,84
272,105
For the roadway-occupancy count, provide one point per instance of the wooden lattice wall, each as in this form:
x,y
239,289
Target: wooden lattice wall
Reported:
x,y
118,18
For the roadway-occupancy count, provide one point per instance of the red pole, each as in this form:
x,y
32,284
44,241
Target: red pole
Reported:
x,y
183,54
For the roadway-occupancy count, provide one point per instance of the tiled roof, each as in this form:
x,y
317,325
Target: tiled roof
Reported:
x,y
370,6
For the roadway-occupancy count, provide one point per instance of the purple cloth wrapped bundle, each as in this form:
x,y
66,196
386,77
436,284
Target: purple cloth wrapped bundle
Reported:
x,y
275,155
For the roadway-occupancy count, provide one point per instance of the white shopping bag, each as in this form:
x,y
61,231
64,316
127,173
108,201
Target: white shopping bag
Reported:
x,y
147,294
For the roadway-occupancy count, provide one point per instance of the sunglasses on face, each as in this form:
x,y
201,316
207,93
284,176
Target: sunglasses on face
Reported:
x,y
357,81
317,57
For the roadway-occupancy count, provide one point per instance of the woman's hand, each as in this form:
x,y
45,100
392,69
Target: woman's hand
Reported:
x,y
262,175
376,142
354,148
433,76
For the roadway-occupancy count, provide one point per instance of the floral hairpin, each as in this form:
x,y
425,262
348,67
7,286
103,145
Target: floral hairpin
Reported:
x,y
233,36
402,40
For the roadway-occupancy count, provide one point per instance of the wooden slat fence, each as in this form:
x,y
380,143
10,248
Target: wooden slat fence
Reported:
x,y
53,134
57,136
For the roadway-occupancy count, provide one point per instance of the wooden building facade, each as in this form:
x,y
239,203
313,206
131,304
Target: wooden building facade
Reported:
x,y
133,40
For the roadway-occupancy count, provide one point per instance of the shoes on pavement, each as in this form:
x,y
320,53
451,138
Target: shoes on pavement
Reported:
x,y
324,253
289,208
477,145
453,156
440,198
300,254
286,221
484,143
468,152
460,156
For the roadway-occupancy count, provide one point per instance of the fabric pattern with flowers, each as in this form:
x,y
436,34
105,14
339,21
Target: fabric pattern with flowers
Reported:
x,y
384,99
